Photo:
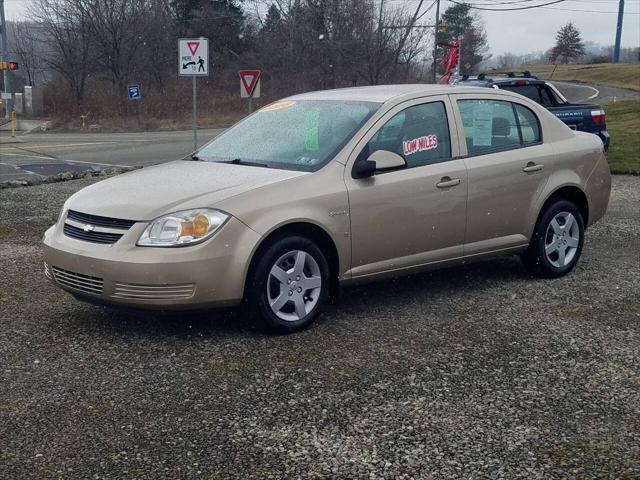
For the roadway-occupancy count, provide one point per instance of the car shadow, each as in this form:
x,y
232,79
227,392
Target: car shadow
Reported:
x,y
226,322
355,302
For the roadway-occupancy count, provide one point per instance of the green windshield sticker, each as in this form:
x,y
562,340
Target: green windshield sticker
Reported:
x,y
311,122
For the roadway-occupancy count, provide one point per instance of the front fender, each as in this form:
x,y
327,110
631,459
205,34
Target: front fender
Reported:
x,y
319,199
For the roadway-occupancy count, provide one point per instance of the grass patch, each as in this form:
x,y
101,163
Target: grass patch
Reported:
x,y
622,75
623,123
146,123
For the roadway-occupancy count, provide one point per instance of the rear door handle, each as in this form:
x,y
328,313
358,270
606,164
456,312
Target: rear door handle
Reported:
x,y
447,182
532,167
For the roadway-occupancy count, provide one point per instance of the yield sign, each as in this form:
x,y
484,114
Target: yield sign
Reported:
x,y
248,81
193,47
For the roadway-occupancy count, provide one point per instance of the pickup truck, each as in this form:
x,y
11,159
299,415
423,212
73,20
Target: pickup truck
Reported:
x,y
578,116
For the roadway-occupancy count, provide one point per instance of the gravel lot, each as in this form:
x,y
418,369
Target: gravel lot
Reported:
x,y
472,372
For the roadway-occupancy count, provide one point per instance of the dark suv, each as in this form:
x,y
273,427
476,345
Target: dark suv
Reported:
x,y
578,116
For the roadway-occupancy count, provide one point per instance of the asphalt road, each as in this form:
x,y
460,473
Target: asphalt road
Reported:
x,y
42,154
578,93
472,372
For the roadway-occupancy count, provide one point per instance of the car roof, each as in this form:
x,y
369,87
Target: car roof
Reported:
x,y
385,93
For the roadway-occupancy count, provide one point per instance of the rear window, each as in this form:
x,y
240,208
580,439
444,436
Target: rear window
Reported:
x,y
489,125
495,125
538,93
529,125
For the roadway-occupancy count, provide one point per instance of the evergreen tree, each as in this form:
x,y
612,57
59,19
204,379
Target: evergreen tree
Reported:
x,y
462,24
273,19
569,44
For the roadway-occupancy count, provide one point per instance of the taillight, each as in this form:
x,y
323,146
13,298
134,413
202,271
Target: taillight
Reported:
x,y
598,116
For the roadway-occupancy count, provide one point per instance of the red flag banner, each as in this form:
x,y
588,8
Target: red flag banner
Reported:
x,y
450,60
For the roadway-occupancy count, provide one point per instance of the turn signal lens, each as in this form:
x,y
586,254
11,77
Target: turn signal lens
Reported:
x,y
182,228
198,227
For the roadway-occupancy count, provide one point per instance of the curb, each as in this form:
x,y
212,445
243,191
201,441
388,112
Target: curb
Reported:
x,y
66,176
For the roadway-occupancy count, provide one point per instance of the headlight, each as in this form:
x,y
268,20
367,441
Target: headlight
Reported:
x,y
182,228
64,209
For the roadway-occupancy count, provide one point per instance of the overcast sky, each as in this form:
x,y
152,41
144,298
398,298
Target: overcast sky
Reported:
x,y
522,31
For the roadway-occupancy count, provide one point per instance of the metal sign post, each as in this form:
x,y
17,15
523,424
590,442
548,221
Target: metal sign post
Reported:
x,y
134,92
193,61
194,119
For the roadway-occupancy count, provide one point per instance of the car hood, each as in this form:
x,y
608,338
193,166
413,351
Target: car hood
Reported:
x,y
147,193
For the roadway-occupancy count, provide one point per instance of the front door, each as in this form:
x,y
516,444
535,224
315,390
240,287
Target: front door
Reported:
x,y
415,215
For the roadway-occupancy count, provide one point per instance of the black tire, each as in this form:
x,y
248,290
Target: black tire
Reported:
x,y
535,257
258,292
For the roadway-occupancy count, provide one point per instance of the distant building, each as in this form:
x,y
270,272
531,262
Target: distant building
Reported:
x,y
593,48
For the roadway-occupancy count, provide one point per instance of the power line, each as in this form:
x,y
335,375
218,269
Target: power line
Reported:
x,y
477,6
587,11
528,7
487,3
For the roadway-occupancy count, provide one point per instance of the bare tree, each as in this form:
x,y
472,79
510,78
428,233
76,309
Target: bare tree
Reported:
x,y
298,44
117,29
66,32
27,44
156,61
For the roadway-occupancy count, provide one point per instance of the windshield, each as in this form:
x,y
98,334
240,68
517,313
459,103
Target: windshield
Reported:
x,y
291,134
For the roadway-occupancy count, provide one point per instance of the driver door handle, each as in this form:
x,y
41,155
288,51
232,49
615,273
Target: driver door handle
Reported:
x,y
532,167
448,182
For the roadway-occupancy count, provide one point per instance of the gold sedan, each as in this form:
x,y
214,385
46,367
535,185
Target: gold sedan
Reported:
x,y
334,187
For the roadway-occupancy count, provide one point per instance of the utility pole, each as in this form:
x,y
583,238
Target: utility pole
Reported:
x,y
616,49
435,40
3,57
459,66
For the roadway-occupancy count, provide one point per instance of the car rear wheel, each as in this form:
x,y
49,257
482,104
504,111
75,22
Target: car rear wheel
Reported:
x,y
290,284
557,240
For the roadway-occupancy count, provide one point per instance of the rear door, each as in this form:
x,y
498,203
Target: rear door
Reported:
x,y
508,165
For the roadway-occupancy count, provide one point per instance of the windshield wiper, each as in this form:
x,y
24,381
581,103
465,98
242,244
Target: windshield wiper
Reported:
x,y
239,161
196,158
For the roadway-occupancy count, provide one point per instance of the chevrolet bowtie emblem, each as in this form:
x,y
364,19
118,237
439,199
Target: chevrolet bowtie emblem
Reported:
x,y
88,228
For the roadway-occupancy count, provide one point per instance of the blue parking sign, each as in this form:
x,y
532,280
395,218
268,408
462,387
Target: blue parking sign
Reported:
x,y
135,92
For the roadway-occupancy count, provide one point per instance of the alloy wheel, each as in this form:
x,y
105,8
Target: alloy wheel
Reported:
x,y
294,285
562,239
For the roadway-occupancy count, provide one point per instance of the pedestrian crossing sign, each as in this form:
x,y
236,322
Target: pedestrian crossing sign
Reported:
x,y
193,57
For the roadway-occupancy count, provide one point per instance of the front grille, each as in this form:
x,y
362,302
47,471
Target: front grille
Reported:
x,y
77,281
153,292
92,236
98,221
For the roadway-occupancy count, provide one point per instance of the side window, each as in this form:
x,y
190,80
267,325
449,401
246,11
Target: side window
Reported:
x,y
529,125
419,133
489,125
546,96
555,100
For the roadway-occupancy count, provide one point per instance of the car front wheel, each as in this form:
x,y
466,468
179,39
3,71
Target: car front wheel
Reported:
x,y
557,240
290,284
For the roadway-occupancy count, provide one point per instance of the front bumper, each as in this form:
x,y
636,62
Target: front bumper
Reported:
x,y
205,275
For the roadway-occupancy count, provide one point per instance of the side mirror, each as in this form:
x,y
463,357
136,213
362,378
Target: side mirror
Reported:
x,y
378,161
